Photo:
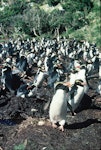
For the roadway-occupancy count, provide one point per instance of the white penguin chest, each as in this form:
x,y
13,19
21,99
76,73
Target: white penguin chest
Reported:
x,y
59,103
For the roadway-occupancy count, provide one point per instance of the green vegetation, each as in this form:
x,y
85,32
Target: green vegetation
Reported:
x,y
19,147
37,18
53,2
92,30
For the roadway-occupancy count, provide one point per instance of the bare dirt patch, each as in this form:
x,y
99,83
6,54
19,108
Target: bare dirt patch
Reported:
x,y
24,125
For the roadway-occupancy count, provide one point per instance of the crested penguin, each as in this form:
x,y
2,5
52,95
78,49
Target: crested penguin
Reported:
x,y
81,74
58,106
39,78
76,94
22,91
99,87
6,78
100,66
99,83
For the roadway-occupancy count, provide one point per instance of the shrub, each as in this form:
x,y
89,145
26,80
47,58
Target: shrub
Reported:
x,y
53,2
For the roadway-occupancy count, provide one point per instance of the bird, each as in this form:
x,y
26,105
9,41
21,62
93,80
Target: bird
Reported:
x,y
58,106
100,66
6,78
99,83
22,65
39,78
76,94
22,91
53,77
99,88
38,81
81,74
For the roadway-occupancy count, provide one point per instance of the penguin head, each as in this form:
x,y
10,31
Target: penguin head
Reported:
x,y
79,82
61,86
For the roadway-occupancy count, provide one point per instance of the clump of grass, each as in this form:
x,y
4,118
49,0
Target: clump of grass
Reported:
x,y
92,31
19,147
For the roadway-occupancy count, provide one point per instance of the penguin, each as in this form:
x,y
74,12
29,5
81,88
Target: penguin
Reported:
x,y
58,106
100,68
22,65
76,94
40,76
99,87
99,82
81,74
6,78
90,67
53,77
22,91
38,80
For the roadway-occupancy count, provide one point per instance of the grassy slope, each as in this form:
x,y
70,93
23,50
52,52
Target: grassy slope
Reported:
x,y
91,32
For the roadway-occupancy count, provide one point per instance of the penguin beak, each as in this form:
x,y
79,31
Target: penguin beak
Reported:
x,y
68,84
84,83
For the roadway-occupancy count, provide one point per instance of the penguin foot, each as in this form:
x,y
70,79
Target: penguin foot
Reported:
x,y
61,128
73,114
54,125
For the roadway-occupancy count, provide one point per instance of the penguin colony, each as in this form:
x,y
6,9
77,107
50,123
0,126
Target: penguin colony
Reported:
x,y
65,65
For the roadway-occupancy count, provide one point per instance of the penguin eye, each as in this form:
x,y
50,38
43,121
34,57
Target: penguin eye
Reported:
x,y
78,81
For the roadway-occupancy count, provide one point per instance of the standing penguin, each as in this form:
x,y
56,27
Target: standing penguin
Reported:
x,y
99,82
58,106
81,75
99,65
22,65
40,76
38,81
99,88
6,78
76,94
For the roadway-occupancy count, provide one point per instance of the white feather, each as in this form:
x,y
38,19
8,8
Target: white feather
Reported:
x,y
58,107
78,95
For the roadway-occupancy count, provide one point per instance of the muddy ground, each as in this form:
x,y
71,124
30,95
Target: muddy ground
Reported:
x,y
25,125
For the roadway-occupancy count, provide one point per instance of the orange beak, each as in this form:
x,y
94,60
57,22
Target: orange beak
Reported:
x,y
67,84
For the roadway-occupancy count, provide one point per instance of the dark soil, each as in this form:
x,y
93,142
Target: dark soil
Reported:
x,y
25,125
